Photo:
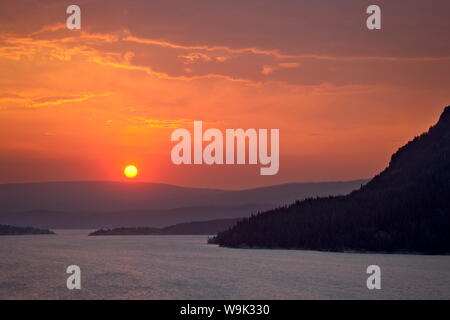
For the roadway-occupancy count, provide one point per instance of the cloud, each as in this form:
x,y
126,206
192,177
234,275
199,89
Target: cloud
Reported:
x,y
170,60
161,123
153,123
49,28
54,101
27,102
267,70
279,55
167,44
194,57
10,96
288,65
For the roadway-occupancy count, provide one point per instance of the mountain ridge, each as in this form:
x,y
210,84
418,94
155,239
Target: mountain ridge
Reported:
x,y
406,208
124,196
87,205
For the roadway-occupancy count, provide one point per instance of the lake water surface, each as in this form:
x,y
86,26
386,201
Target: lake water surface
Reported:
x,y
185,267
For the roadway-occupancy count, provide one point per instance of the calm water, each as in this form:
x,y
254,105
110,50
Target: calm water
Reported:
x,y
184,267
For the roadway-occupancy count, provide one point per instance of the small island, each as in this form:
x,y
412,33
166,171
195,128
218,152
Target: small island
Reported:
x,y
20,231
211,227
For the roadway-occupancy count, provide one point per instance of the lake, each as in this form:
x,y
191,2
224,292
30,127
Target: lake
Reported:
x,y
185,267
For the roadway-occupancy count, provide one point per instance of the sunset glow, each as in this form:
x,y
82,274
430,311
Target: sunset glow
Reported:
x,y
78,100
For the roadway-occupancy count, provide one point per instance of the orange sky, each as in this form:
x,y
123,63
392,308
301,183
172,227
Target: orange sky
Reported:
x,y
80,105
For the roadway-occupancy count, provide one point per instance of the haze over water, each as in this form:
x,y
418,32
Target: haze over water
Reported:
x,y
185,267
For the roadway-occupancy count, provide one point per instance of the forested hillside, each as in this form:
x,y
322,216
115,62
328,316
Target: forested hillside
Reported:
x,y
404,208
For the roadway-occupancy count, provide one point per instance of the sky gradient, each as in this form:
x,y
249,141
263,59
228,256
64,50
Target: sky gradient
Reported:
x,y
81,105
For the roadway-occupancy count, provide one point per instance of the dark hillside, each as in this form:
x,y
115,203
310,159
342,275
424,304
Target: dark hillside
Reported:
x,y
404,208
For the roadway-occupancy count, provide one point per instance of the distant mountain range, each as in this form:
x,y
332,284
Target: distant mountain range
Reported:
x,y
404,208
190,228
93,205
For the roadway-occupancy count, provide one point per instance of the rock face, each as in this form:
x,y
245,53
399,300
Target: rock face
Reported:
x,y
17,231
404,208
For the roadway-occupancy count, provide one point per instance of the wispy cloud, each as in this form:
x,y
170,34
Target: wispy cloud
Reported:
x,y
277,53
152,123
267,70
112,50
55,101
27,102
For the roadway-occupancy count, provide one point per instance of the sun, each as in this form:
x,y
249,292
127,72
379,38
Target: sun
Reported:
x,y
130,171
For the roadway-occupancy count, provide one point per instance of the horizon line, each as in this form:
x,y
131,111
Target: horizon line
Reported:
x,y
181,186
